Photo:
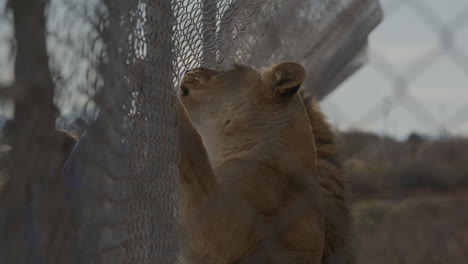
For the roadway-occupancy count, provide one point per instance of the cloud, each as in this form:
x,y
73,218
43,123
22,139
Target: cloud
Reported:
x,y
450,95
402,53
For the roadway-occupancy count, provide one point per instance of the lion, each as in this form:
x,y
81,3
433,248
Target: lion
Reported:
x,y
253,169
338,236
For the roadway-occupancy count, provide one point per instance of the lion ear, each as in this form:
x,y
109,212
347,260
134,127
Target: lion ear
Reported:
x,y
288,78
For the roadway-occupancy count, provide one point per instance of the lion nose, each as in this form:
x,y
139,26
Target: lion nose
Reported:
x,y
195,79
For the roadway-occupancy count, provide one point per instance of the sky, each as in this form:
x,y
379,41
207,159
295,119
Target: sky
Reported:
x,y
433,99
408,46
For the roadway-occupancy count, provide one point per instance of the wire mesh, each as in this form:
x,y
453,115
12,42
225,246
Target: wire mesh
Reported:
x,y
414,81
405,156
116,66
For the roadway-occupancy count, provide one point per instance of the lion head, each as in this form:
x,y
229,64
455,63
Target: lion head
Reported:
x,y
246,112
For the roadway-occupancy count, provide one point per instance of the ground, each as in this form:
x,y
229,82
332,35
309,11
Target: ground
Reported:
x,y
426,228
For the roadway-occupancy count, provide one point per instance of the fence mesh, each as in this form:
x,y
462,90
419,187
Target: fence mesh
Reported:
x,y
116,66
406,157
415,79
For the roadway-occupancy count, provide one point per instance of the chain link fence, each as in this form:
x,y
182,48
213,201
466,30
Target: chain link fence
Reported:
x,y
115,67
403,122
415,80
109,70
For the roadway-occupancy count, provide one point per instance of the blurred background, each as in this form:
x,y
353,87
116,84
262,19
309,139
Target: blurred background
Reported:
x,y
401,119
403,123
416,77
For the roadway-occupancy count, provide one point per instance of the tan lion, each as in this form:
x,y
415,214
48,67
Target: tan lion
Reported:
x,y
330,176
254,171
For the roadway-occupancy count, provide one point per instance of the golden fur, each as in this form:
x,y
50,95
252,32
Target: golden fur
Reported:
x,y
330,176
253,177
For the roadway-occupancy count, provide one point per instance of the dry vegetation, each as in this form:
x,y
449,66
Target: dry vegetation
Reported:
x,y
430,229
410,198
385,168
